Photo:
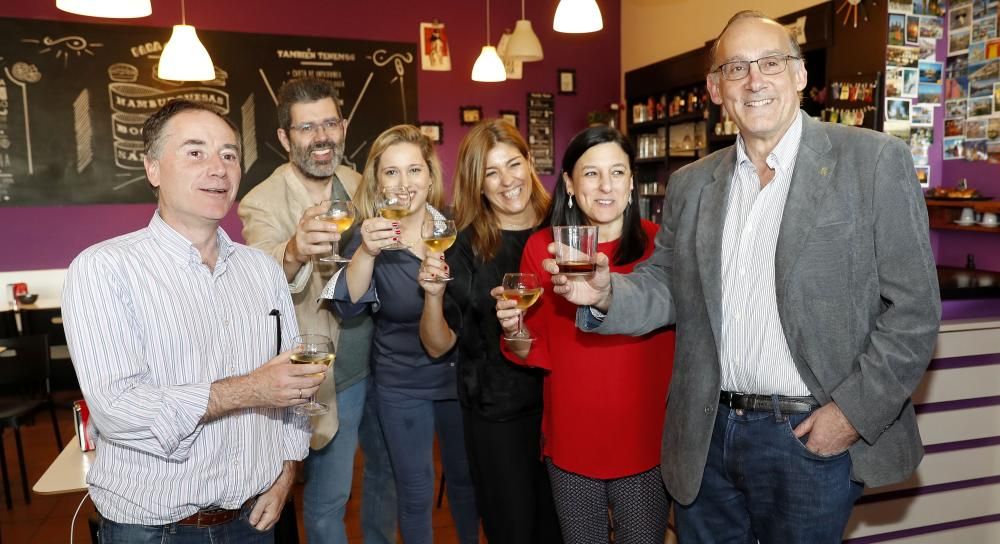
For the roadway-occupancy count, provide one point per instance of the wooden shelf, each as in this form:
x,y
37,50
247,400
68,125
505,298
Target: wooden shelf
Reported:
x,y
942,214
687,117
650,160
647,126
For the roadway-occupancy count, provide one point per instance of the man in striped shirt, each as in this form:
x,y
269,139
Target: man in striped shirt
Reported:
x,y
172,332
797,267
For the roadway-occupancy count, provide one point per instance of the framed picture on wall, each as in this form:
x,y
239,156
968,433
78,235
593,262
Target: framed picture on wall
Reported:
x,y
566,80
510,116
433,130
470,115
924,175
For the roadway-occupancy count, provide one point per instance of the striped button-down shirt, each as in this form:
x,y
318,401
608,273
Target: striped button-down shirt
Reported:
x,y
754,351
150,327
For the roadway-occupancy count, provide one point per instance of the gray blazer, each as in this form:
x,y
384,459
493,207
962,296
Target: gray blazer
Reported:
x,y
856,288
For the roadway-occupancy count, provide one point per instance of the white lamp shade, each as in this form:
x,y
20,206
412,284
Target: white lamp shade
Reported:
x,y
489,67
524,45
112,9
577,17
184,58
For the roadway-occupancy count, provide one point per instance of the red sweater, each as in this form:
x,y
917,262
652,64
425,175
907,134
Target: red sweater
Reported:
x,y
604,395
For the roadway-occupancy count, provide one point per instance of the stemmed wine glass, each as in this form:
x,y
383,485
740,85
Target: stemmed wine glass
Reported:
x,y
395,205
341,215
313,349
438,235
525,290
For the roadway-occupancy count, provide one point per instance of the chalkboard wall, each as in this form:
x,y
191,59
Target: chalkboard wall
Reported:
x,y
73,98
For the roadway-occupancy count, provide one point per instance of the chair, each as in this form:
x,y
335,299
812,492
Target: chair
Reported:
x,y
24,391
49,321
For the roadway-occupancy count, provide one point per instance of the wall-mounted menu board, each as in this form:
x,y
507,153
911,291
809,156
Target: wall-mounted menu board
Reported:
x,y
541,131
73,98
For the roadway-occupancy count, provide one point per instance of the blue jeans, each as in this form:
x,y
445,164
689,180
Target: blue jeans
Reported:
x,y
409,426
238,531
329,473
762,484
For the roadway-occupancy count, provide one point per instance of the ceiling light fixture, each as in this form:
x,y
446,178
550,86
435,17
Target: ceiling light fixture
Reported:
x,y
577,17
524,45
111,9
184,58
488,67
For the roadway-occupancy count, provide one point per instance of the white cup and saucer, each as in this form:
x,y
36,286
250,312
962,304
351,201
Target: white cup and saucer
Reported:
x,y
989,221
968,217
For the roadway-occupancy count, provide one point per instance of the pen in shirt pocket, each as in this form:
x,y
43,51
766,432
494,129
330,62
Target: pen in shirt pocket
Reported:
x,y
277,331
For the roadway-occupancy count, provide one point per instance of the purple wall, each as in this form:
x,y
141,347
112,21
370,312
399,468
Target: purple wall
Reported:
x,y
951,246
39,242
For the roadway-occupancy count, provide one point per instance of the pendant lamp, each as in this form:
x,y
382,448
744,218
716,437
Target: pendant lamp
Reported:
x,y
184,58
524,45
488,67
111,9
577,17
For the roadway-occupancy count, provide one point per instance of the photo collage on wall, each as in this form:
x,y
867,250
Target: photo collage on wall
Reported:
x,y
972,82
914,79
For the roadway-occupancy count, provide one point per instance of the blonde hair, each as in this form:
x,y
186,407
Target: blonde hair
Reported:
x,y
471,207
366,196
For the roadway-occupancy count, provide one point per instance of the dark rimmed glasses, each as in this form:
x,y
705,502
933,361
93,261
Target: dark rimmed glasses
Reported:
x,y
769,66
326,125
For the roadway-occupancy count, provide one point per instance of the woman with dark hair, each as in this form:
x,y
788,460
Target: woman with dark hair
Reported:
x,y
605,396
498,202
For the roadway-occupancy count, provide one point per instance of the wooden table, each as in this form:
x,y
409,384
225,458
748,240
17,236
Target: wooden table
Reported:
x,y
68,473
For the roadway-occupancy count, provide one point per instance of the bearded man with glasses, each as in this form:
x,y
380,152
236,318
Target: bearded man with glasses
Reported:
x,y
280,217
797,267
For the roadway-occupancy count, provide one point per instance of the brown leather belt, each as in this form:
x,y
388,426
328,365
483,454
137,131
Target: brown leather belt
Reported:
x,y
210,517
764,403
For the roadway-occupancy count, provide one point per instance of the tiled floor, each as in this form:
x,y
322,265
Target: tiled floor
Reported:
x,y
47,520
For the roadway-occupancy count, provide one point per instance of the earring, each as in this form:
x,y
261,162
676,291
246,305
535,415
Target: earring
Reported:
x,y
630,199
571,201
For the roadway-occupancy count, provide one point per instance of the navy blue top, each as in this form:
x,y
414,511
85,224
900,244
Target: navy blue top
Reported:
x,y
396,301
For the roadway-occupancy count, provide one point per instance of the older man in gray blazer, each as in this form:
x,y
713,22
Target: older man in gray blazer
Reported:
x,y
797,267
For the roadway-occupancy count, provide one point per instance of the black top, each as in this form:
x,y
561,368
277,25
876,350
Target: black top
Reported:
x,y
488,383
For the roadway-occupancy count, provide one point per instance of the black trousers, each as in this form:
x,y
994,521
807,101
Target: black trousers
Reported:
x,y
511,483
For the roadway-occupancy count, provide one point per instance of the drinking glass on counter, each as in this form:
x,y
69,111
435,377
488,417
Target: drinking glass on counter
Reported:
x,y
395,205
576,249
341,215
438,235
314,349
525,290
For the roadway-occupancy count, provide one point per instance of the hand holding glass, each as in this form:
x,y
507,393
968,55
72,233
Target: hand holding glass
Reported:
x,y
525,291
312,349
395,205
341,215
438,235
576,249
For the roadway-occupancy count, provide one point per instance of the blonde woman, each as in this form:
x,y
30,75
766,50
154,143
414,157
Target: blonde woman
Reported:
x,y
413,364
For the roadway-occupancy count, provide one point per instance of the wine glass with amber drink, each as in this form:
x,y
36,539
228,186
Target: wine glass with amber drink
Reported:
x,y
525,290
394,205
341,215
438,235
312,349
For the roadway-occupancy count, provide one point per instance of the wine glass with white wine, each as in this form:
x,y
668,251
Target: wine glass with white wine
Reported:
x,y
341,215
395,205
312,349
525,290
438,235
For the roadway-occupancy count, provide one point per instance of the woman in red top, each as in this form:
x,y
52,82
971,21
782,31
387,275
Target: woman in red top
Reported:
x,y
604,396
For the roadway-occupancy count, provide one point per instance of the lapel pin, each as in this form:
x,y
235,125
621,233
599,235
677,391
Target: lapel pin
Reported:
x,y
824,171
